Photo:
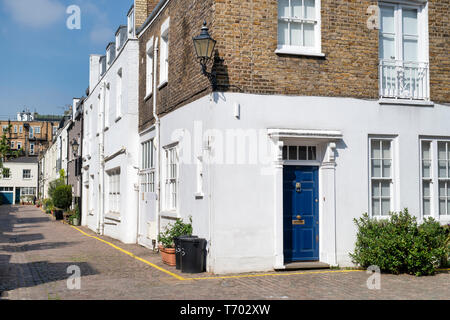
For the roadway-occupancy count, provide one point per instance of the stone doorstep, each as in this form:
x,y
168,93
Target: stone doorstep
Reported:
x,y
310,265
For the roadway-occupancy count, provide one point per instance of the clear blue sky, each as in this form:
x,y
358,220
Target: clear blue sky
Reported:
x,y
43,64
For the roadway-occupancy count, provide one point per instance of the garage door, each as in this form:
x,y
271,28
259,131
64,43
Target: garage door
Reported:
x,y
7,197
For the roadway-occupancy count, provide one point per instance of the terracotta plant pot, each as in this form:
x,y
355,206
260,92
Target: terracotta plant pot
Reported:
x,y
168,256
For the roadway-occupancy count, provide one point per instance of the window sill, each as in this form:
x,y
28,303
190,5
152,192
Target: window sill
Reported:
x,y
148,96
162,84
113,216
299,52
406,102
172,214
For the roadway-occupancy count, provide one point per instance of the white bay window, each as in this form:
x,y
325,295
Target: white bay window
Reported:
x,y
299,27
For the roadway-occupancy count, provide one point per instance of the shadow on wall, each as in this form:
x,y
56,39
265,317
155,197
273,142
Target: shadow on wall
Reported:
x,y
15,238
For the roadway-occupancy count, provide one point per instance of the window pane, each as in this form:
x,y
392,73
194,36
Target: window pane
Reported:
x,y
376,152
296,34
426,170
410,21
310,12
302,153
442,169
283,35
442,210
410,50
387,168
308,35
296,8
376,168
283,8
285,153
442,191
426,149
426,189
312,153
386,149
375,207
442,151
293,153
387,20
385,207
387,48
376,191
386,189
426,207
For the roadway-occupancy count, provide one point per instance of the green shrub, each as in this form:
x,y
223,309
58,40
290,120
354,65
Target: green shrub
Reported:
x,y
62,197
178,229
400,245
53,185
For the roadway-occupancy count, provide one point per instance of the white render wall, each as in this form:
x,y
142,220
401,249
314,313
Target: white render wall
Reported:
x,y
238,209
121,149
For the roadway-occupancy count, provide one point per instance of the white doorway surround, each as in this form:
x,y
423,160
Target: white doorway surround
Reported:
x,y
325,141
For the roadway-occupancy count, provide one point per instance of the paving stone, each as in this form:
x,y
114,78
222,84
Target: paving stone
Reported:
x,y
35,253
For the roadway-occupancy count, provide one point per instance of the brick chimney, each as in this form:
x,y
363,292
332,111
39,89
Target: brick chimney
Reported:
x,y
142,9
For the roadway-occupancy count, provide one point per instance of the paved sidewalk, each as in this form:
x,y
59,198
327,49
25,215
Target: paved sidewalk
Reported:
x,y
35,253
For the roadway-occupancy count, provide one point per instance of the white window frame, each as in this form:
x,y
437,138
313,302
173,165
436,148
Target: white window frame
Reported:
x,y
15,129
9,177
392,180
13,144
114,191
19,145
131,19
171,190
32,151
37,130
164,54
391,68
147,172
31,132
316,50
149,56
435,180
20,129
26,177
422,27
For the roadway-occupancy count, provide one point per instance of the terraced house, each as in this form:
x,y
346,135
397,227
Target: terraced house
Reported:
x,y
308,114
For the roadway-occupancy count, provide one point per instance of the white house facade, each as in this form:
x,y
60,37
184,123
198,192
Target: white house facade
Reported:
x,y
110,140
20,181
274,179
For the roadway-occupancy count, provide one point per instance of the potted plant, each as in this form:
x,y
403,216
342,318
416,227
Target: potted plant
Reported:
x,y
75,217
166,239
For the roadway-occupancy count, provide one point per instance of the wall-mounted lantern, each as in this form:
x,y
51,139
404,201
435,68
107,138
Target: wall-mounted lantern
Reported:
x,y
204,46
75,147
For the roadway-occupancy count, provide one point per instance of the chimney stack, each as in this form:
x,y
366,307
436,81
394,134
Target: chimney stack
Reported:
x,y
142,9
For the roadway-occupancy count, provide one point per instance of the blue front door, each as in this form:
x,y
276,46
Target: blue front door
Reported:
x,y
301,213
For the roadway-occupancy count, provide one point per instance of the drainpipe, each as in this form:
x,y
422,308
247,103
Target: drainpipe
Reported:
x,y
101,218
158,139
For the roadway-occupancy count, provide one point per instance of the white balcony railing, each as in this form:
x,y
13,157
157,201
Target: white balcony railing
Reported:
x,y
404,80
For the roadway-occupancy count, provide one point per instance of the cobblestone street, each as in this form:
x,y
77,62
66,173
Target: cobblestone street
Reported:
x,y
35,253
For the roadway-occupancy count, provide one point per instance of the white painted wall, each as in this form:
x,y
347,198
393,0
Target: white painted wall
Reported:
x,y
120,134
237,213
